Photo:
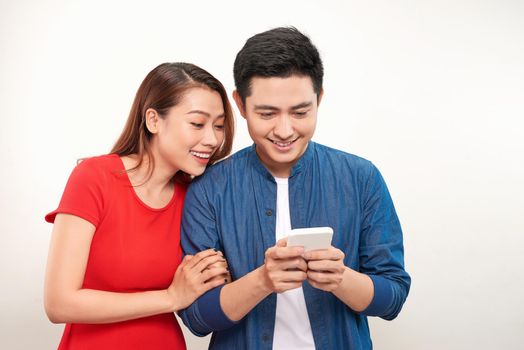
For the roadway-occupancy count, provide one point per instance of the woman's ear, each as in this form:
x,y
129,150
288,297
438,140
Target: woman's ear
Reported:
x,y
152,119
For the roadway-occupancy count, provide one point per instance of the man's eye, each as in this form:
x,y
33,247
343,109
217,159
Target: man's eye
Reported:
x,y
300,114
267,115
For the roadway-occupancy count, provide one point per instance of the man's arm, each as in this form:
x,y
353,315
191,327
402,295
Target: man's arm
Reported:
x,y
222,307
326,271
198,233
283,269
381,286
382,250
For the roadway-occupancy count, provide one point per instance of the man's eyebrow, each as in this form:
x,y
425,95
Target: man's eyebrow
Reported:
x,y
273,108
302,105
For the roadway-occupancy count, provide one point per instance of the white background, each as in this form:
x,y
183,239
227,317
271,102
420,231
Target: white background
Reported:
x,y
431,91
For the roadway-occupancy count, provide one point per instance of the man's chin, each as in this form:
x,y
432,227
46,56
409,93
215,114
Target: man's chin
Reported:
x,y
284,160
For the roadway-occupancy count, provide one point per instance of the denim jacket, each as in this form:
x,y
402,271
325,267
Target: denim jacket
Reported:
x,y
232,208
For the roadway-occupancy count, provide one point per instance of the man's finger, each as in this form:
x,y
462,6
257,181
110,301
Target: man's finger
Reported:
x,y
287,252
323,265
324,254
282,242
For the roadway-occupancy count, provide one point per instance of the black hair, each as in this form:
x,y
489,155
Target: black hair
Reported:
x,y
279,52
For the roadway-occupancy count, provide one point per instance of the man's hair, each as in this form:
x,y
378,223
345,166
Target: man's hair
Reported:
x,y
280,52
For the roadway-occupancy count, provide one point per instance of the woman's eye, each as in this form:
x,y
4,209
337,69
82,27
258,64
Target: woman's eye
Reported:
x,y
219,127
197,125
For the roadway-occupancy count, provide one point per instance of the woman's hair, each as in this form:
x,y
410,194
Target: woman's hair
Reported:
x,y
163,88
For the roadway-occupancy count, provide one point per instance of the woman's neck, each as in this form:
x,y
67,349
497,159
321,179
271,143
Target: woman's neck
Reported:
x,y
154,188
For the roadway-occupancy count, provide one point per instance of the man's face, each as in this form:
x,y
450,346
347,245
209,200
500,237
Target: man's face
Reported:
x,y
281,116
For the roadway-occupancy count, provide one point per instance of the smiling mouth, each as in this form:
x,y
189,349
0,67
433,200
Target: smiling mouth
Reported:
x,y
283,144
201,155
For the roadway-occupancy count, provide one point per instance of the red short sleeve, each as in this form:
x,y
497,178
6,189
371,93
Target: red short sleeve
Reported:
x,y
83,194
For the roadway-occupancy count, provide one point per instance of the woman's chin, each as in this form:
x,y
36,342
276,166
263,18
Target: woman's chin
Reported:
x,y
194,171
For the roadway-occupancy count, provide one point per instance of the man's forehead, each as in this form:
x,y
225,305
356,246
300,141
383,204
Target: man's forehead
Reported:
x,y
281,92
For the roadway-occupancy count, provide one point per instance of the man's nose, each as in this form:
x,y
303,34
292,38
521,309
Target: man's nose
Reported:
x,y
283,128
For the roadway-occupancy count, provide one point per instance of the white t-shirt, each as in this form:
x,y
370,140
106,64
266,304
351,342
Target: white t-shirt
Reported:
x,y
292,326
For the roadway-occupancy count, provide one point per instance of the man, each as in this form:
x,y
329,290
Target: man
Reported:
x,y
282,297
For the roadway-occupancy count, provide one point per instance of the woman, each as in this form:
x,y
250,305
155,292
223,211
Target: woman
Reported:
x,y
115,273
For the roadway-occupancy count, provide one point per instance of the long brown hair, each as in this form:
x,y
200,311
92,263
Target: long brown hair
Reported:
x,y
162,89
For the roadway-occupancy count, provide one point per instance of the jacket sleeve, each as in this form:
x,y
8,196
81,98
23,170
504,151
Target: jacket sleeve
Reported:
x,y
198,232
381,249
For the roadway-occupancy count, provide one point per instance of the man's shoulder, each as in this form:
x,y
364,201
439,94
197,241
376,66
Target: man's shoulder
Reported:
x,y
234,164
231,163
342,159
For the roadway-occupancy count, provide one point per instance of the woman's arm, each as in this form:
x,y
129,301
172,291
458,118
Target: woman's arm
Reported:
x,y
66,301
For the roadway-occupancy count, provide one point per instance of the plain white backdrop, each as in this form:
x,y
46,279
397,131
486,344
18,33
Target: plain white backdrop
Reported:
x,y
431,91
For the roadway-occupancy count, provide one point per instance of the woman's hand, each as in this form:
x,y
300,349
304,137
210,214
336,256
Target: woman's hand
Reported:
x,y
196,275
223,263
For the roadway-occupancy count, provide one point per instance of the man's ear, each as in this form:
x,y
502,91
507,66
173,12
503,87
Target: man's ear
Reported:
x,y
239,103
319,98
152,119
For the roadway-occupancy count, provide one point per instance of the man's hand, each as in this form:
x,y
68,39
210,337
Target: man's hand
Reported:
x,y
325,268
284,267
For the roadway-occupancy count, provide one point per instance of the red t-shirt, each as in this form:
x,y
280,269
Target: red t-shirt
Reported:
x,y
135,248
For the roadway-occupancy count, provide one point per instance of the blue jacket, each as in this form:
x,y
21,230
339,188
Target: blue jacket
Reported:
x,y
232,208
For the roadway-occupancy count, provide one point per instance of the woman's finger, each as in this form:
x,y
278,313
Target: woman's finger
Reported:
x,y
201,255
212,273
207,261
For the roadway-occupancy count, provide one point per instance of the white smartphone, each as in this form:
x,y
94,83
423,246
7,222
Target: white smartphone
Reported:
x,y
311,238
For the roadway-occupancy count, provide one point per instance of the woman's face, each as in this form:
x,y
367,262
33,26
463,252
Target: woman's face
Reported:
x,y
190,132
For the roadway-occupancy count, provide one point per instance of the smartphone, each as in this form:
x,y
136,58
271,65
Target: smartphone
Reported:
x,y
311,238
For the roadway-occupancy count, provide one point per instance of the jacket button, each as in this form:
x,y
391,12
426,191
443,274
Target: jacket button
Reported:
x,y
269,212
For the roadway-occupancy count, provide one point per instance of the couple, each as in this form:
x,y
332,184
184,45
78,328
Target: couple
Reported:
x,y
116,271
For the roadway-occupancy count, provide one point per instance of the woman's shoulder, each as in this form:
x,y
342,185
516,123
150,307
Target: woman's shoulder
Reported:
x,y
105,161
98,168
